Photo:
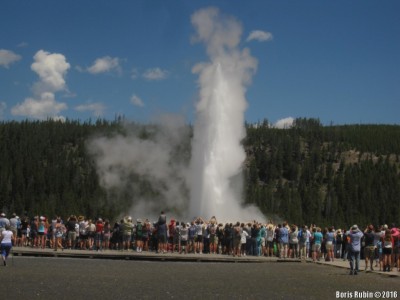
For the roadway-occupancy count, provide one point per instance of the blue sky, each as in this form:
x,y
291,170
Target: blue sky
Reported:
x,y
333,60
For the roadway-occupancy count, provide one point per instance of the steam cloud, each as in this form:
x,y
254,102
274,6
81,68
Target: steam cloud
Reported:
x,y
145,169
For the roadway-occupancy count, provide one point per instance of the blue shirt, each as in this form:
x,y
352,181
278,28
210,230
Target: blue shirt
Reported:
x,y
284,235
318,238
355,240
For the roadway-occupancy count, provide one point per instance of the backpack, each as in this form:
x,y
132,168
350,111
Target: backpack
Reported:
x,y
139,229
303,237
213,230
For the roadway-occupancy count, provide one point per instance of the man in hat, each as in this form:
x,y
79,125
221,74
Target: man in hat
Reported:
x,y
355,236
3,222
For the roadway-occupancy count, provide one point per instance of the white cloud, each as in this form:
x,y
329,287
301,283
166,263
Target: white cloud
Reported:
x,y
45,107
105,64
135,100
51,68
22,45
96,108
155,74
3,107
284,123
259,35
8,57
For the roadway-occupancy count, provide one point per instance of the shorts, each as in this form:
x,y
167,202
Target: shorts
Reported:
x,y
293,246
369,252
270,244
387,251
262,242
72,235
316,248
329,246
199,239
83,237
183,243
126,238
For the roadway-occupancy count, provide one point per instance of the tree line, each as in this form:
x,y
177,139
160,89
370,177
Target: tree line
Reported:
x,y
308,173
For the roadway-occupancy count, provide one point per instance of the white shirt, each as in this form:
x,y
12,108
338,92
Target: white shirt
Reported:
x,y
6,237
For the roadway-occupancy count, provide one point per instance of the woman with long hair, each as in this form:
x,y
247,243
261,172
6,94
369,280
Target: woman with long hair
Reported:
x,y
387,243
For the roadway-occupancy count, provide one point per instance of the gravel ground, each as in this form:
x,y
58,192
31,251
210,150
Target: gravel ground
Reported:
x,y
70,278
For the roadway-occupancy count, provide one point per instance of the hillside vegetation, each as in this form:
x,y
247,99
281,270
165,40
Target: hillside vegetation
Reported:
x,y
308,173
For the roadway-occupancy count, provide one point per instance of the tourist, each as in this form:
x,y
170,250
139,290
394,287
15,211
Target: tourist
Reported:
x,y
330,238
269,251
199,235
237,236
183,236
283,240
317,242
387,249
71,231
106,234
212,229
162,234
171,234
139,235
369,248
6,238
243,239
293,242
3,222
42,231
99,234
355,236
127,230
14,224
58,234
192,237
339,243
83,233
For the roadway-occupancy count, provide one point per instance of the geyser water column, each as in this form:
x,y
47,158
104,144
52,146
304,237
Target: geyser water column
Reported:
x,y
217,152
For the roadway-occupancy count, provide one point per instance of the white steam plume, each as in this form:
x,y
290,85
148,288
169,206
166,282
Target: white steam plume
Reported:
x,y
217,154
145,158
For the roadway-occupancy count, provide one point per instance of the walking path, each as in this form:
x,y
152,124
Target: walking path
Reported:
x,y
152,256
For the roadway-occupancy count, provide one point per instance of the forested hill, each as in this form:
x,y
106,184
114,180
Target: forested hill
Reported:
x,y
308,173
338,175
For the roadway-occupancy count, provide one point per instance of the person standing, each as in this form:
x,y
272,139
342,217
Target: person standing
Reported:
x,y
355,236
284,240
6,238
369,249
3,222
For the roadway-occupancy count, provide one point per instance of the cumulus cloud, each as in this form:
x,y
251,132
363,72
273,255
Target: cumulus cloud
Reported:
x,y
96,108
105,64
259,35
137,101
44,107
155,74
8,57
284,123
52,69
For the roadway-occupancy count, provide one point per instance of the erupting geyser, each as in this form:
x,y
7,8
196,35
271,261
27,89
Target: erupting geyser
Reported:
x,y
217,153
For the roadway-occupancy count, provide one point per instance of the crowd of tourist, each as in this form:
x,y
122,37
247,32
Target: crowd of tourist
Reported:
x,y
378,245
